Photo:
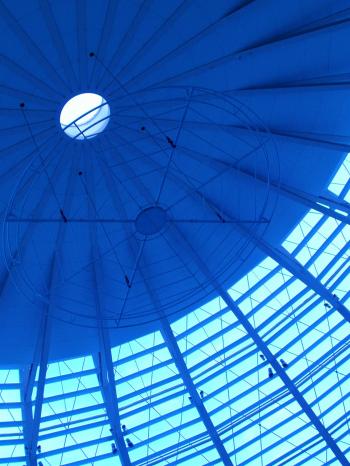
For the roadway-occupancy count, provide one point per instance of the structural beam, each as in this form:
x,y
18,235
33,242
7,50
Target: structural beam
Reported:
x,y
58,42
106,376
178,359
291,37
297,270
166,331
105,363
303,139
31,423
327,205
176,354
27,379
40,206
33,49
262,346
31,420
285,259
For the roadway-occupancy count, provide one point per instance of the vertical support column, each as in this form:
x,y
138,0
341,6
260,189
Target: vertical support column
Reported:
x,y
31,420
175,352
27,376
105,362
169,337
31,423
106,377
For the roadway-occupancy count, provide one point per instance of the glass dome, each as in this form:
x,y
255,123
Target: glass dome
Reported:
x,y
175,290
255,415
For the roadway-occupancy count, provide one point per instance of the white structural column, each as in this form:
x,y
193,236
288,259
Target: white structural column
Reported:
x,y
175,352
178,359
106,375
104,364
263,347
31,421
166,331
27,378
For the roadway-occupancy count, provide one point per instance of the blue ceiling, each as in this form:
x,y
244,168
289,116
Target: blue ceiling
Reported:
x,y
193,256
254,97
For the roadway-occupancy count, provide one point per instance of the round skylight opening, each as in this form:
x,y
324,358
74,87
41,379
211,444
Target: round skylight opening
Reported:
x,y
85,116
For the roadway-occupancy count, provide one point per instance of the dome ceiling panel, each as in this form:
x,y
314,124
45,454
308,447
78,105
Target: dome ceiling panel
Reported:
x,y
188,149
265,65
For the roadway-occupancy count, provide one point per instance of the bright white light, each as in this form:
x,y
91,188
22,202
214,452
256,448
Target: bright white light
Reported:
x,y
85,116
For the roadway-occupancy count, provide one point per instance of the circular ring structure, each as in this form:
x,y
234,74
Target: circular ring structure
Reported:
x,y
170,158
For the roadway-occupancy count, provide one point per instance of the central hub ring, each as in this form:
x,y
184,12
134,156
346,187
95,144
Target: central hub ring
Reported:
x,y
151,220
